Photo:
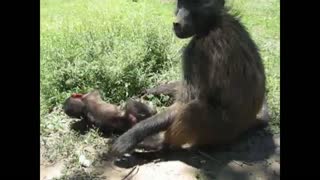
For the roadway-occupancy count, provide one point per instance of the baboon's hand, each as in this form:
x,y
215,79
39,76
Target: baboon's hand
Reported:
x,y
121,146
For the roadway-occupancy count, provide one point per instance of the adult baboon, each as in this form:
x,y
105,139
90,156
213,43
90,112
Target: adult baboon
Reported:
x,y
223,84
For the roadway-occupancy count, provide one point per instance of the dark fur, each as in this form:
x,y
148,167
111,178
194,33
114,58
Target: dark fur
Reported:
x,y
169,89
74,107
223,85
105,116
138,109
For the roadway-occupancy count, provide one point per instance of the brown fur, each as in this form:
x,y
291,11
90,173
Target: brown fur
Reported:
x,y
106,116
103,114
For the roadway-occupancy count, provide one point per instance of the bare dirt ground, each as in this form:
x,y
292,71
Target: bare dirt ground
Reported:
x,y
255,156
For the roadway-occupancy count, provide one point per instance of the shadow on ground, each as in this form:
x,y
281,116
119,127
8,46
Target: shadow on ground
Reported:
x,y
255,156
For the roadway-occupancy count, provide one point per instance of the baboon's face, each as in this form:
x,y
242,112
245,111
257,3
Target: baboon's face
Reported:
x,y
195,16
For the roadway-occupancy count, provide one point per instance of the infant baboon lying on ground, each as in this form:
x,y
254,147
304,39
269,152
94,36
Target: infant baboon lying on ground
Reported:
x,y
105,116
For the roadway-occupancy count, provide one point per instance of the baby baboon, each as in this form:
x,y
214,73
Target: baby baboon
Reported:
x,y
105,116
223,84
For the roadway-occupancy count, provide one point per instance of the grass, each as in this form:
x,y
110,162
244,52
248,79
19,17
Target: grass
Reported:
x,y
128,46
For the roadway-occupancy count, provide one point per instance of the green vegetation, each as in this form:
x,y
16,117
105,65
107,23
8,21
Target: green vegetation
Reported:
x,y
121,47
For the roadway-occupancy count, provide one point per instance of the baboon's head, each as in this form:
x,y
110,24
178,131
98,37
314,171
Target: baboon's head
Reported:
x,y
196,16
